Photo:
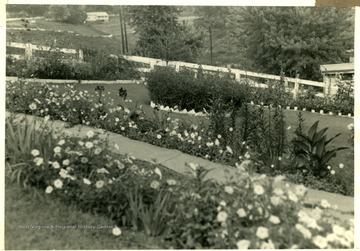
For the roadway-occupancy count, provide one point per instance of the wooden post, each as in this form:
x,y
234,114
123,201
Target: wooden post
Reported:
x,y
151,66
177,67
81,55
296,86
237,76
28,51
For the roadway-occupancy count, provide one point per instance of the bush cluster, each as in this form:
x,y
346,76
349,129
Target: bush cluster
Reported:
x,y
182,89
55,65
186,212
187,91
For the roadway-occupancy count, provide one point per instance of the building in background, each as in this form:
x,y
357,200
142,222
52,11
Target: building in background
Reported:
x,y
97,17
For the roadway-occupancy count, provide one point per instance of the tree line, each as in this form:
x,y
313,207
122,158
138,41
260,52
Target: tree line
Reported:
x,y
289,40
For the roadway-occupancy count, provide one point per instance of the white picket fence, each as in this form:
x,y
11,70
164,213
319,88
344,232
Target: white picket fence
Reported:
x,y
295,83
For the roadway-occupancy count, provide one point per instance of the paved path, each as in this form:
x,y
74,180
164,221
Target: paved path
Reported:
x,y
175,160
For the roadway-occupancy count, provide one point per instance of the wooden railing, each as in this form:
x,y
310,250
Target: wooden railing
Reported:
x,y
293,84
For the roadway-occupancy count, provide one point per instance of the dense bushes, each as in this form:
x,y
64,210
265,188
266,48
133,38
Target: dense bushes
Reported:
x,y
55,65
187,91
182,89
186,212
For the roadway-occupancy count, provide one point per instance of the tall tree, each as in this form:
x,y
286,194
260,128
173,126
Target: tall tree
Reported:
x,y
161,35
74,14
294,39
211,19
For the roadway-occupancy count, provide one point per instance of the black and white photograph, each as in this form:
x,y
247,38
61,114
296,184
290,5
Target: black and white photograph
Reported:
x,y
172,126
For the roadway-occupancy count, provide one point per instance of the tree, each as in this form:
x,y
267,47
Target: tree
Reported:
x,y
73,14
161,35
293,39
211,19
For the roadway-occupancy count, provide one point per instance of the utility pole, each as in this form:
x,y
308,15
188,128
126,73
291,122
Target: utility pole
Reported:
x,y
211,52
126,40
121,30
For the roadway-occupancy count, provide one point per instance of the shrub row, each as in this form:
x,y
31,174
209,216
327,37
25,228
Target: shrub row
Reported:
x,y
245,212
170,88
55,65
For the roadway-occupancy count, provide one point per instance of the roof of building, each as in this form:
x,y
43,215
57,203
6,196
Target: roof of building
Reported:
x,y
97,13
337,68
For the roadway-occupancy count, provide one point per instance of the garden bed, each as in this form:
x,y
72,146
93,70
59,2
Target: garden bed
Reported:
x,y
245,212
139,122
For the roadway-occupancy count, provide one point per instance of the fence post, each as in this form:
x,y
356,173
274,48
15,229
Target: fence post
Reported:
x,y
237,76
28,51
81,55
296,86
151,66
177,67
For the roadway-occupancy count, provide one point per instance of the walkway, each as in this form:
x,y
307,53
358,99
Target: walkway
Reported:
x,y
175,160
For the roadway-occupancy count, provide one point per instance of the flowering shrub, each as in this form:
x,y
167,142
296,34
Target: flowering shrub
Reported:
x,y
193,212
248,212
259,136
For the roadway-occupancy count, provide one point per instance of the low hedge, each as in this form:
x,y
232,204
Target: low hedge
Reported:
x,y
182,89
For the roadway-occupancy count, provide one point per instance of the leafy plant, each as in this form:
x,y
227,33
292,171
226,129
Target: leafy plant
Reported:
x,y
311,150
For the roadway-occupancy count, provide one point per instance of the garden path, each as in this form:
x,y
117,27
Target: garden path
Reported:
x,y
175,160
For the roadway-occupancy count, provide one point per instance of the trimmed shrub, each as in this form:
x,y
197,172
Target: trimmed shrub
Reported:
x,y
184,90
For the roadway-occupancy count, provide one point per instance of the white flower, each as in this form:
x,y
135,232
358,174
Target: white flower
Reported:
x,y
90,134
292,196
158,136
241,212
61,142
32,106
258,190
274,219
279,158
279,178
46,118
35,152
229,150
209,144
231,129
171,182
222,216
55,165
116,231
267,245
154,184
320,241
99,184
58,183
229,189
303,230
350,126
102,170
341,165
86,181
117,119
300,190
49,189
247,155
325,204
57,149
243,244
262,233
222,203
338,230
278,191
81,143
89,144
275,200
38,161
158,172
66,162
332,172
97,151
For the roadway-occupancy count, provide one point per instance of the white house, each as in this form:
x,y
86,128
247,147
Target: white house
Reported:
x,y
332,73
97,16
